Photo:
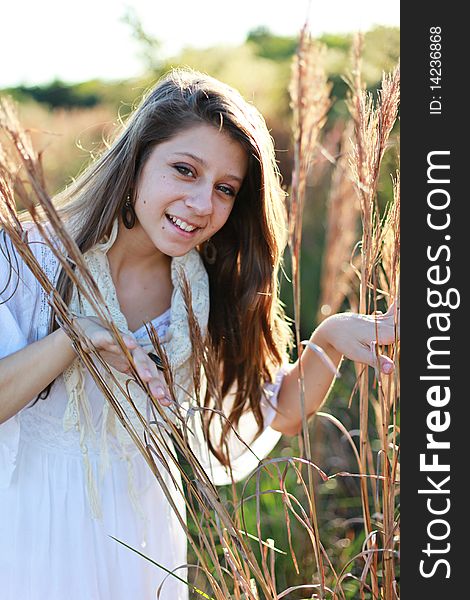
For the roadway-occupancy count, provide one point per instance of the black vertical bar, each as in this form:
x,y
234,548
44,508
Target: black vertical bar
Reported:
x,y
435,238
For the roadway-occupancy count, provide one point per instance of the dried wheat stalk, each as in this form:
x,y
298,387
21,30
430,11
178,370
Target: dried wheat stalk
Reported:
x,y
342,229
309,91
373,123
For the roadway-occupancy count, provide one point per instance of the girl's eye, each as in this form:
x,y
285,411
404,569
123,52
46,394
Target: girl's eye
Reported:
x,y
184,170
228,191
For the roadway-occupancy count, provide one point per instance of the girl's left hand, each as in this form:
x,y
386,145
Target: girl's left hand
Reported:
x,y
101,340
356,336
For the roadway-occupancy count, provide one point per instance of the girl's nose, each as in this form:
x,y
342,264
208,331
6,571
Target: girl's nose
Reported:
x,y
200,202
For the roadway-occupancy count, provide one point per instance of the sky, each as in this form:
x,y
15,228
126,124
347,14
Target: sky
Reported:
x,y
87,39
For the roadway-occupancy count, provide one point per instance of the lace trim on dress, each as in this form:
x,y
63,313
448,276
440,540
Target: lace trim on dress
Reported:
x,y
177,345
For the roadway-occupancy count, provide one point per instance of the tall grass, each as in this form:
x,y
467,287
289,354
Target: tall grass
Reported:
x,y
65,138
309,91
342,229
233,552
373,123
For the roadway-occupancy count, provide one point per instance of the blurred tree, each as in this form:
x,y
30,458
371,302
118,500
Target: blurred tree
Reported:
x,y
269,45
57,94
381,51
149,46
336,40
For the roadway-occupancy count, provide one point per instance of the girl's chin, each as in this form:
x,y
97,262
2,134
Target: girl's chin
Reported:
x,y
174,250
176,254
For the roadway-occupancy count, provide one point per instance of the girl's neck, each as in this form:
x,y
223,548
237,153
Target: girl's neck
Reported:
x,y
141,275
133,252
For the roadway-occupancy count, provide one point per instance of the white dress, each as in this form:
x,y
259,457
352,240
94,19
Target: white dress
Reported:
x,y
51,547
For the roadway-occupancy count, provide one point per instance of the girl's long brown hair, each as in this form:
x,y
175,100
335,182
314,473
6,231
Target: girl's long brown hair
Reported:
x,y
248,333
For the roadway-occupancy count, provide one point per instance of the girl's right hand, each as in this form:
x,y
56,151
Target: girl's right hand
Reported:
x,y
101,339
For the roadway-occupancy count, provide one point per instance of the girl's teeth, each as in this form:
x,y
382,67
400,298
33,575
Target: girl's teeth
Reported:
x,y
182,225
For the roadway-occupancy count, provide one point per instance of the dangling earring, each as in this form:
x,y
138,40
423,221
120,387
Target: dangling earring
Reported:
x,y
128,213
210,252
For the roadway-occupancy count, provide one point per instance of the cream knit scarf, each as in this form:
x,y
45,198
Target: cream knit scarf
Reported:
x,y
177,345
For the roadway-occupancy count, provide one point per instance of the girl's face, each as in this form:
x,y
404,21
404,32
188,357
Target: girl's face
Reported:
x,y
187,188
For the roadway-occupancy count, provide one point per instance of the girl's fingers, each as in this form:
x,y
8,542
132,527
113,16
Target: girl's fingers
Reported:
x,y
385,327
367,355
392,308
387,365
159,392
385,334
393,314
364,356
150,374
130,342
384,363
103,341
143,364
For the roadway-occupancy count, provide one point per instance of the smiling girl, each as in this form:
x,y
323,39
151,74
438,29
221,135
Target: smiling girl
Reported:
x,y
191,184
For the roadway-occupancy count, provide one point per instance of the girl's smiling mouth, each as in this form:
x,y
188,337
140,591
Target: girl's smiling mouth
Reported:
x,y
182,225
